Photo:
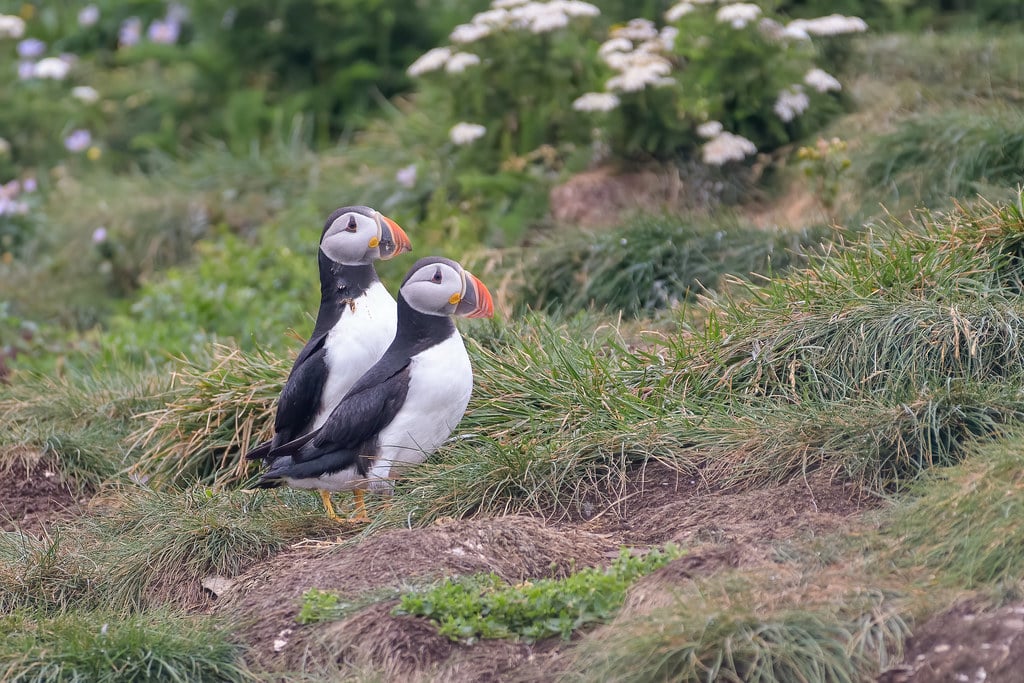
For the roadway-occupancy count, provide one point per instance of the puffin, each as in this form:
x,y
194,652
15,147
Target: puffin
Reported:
x,y
354,325
406,405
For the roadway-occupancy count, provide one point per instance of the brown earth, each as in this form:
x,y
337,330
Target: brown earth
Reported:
x,y
969,643
33,497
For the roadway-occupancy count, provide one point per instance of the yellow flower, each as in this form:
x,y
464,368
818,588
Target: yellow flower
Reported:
x,y
27,11
94,153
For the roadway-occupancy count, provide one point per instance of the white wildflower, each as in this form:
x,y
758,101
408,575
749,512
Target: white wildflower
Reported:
x,y
459,61
614,45
637,78
738,14
88,16
791,102
11,26
431,60
492,17
832,25
463,133
677,12
578,8
795,32
549,21
636,30
709,129
85,93
505,4
406,176
667,38
51,67
822,81
726,147
469,33
595,101
5,147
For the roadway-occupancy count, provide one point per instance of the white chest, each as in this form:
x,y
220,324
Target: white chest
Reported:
x,y
440,384
355,343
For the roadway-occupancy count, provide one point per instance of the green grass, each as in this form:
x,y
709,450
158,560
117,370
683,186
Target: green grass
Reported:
x,y
652,263
77,422
932,158
484,606
964,524
98,646
45,575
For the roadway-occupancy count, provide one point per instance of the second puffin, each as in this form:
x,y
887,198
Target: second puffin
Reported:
x,y
407,404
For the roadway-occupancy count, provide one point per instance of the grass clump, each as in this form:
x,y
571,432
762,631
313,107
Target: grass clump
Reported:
x,y
797,645
158,546
95,646
213,412
484,606
934,157
965,524
77,422
652,263
45,575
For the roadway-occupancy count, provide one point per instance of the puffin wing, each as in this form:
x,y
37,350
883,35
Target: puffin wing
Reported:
x,y
367,408
299,399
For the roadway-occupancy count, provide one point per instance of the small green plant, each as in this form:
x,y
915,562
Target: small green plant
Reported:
x,y
484,606
824,163
318,605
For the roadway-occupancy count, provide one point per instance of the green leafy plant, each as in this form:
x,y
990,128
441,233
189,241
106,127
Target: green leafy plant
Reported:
x,y
484,606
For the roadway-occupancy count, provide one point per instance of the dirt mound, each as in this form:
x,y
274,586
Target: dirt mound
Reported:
x,y
515,548
968,643
34,497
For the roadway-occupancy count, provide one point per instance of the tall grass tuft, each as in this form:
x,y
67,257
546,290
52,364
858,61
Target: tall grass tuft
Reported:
x,y
682,645
965,524
652,263
935,157
45,575
209,417
158,546
100,647
77,423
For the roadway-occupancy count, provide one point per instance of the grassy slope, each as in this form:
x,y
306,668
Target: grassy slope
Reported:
x,y
880,360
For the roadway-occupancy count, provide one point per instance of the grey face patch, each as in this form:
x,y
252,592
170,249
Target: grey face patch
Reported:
x,y
349,238
432,288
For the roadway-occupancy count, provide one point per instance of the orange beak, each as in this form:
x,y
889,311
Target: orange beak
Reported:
x,y
393,240
477,301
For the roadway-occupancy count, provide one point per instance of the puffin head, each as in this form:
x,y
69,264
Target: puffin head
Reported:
x,y
439,286
359,235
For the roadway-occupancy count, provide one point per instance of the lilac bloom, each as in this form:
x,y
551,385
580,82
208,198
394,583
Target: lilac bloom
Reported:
x,y
99,235
26,70
130,32
88,15
164,32
29,185
30,48
78,141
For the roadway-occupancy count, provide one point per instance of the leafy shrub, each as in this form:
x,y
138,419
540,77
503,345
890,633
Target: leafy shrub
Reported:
x,y
484,606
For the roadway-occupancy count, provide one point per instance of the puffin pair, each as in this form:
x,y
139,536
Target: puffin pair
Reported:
x,y
380,385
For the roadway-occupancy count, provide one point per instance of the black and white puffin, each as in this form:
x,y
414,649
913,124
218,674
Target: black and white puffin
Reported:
x,y
407,404
355,324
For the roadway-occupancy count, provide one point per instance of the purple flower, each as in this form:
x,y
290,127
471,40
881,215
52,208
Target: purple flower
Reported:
x,y
99,235
78,141
11,189
26,70
406,176
164,32
29,185
130,32
30,48
88,15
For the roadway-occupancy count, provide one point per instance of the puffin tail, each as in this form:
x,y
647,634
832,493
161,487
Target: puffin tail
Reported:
x,y
274,477
260,452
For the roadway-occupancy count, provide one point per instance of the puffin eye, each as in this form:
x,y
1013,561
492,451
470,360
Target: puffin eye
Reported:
x,y
352,226
437,276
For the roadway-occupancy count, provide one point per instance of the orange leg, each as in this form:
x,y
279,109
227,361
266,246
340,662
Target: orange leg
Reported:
x,y
325,496
360,515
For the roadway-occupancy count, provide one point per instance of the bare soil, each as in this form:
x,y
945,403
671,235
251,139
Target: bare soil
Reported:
x,y
969,643
33,497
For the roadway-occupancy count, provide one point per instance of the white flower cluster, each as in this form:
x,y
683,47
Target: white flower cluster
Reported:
x,y
791,102
596,101
643,65
832,25
458,62
463,133
726,147
431,60
11,26
738,14
822,81
709,129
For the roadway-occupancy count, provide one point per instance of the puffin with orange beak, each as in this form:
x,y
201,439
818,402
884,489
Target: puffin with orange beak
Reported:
x,y
406,405
354,326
